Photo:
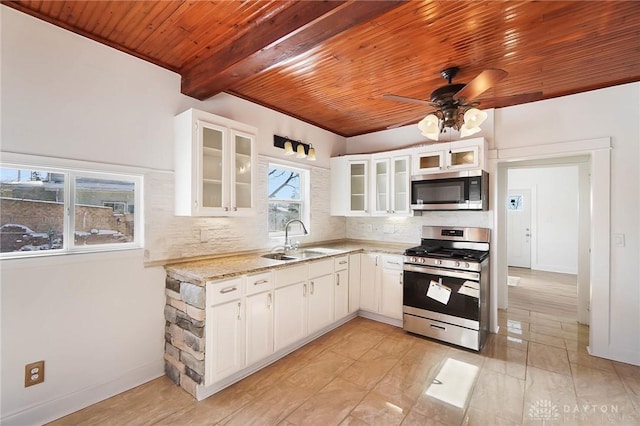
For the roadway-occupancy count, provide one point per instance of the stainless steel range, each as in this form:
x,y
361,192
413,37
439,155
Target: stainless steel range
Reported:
x,y
446,286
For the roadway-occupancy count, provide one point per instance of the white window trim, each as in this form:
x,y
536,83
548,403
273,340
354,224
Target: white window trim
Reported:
x,y
73,169
305,200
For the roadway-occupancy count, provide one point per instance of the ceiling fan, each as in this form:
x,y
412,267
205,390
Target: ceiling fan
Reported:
x,y
453,103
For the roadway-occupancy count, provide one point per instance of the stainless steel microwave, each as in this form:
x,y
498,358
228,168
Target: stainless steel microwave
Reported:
x,y
460,190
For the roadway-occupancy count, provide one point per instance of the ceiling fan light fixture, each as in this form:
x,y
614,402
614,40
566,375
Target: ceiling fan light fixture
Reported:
x,y
429,127
474,117
468,131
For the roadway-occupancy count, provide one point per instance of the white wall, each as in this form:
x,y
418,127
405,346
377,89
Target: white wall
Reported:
x,y
68,97
581,117
555,218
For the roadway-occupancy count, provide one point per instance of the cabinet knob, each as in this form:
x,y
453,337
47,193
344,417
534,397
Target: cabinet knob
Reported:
x,y
235,209
226,209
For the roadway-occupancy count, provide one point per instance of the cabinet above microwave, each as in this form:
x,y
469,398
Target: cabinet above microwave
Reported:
x,y
448,156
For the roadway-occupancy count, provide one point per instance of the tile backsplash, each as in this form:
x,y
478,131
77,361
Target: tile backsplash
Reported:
x,y
170,237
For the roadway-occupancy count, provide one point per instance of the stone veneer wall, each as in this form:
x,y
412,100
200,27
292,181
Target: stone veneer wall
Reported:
x,y
184,333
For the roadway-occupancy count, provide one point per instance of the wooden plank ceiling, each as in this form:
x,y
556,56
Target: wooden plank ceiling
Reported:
x,y
329,63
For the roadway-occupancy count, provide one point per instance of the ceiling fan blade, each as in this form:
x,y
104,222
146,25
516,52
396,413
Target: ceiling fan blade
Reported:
x,y
406,99
522,98
482,82
411,121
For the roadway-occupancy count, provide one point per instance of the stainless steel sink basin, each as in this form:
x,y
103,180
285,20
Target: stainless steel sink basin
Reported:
x,y
305,254
278,256
301,254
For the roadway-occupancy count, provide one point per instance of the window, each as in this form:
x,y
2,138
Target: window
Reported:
x,y
48,210
288,198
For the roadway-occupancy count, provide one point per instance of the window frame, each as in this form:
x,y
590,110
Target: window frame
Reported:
x,y
73,170
305,197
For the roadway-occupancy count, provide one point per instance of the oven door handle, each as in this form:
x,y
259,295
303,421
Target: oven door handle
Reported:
x,y
473,276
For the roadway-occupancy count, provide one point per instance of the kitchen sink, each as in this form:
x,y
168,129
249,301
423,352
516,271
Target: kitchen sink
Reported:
x,y
301,254
278,256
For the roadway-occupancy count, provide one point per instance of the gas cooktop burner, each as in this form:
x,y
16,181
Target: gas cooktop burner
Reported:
x,y
422,250
450,253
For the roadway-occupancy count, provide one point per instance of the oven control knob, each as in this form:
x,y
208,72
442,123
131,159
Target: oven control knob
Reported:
x,y
439,262
458,264
466,265
422,260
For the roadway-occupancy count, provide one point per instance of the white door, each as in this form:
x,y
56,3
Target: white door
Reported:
x,y
320,301
519,228
391,301
341,308
259,344
290,314
369,272
226,331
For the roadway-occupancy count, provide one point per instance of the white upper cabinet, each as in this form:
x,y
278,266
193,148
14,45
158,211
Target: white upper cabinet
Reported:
x,y
214,162
350,185
390,185
449,156
366,184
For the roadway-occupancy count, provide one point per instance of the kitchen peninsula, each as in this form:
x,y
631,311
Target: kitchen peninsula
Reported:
x,y
227,317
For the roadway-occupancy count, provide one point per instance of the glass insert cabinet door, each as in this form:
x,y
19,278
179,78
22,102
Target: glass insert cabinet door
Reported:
x,y
382,186
213,166
401,185
358,183
243,146
463,157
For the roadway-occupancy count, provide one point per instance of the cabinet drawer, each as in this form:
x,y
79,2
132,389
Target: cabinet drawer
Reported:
x,y
320,268
291,275
341,262
224,291
259,282
392,262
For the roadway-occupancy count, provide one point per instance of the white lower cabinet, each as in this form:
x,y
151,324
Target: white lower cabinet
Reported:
x,y
225,329
354,282
250,318
391,287
259,317
381,284
290,314
320,302
341,289
369,281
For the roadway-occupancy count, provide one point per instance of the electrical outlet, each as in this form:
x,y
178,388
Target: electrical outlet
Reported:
x,y
33,373
204,235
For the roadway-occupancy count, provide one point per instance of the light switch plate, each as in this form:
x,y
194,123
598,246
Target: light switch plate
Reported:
x,y
618,240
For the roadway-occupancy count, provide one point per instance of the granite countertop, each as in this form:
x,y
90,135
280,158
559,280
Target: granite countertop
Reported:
x,y
231,265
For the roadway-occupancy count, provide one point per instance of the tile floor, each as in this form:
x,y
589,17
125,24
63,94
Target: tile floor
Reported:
x,y
536,371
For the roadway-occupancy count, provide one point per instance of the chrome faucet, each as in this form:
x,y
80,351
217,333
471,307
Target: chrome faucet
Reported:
x,y
288,246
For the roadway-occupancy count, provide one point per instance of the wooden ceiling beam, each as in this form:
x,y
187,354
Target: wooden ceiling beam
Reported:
x,y
295,30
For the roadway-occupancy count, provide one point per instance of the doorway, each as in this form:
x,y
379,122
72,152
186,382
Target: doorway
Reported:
x,y
594,244
547,223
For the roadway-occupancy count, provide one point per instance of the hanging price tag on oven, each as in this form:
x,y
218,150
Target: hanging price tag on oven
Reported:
x,y
438,291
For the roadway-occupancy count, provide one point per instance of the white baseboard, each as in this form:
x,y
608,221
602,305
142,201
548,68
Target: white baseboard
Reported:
x,y
61,406
554,268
